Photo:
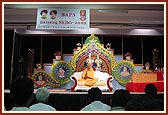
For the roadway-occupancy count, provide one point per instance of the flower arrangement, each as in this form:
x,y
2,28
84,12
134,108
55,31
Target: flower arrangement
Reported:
x,y
39,65
57,53
108,45
78,44
116,72
147,65
68,72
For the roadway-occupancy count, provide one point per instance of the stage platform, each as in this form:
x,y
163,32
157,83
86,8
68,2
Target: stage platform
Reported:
x,y
64,91
65,100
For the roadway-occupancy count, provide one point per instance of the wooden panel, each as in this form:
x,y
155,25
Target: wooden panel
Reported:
x,y
141,77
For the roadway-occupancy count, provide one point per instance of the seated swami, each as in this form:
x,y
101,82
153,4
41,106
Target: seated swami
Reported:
x,y
88,76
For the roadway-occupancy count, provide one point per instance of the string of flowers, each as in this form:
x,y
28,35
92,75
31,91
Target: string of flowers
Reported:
x,y
116,72
69,72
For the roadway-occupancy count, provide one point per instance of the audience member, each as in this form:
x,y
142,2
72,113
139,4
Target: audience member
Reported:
x,y
95,97
119,100
151,90
42,96
21,91
151,100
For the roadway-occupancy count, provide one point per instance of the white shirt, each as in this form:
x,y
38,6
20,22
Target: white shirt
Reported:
x,y
41,107
118,108
20,109
96,106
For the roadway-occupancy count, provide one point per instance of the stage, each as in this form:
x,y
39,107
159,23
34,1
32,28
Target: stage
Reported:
x,y
65,100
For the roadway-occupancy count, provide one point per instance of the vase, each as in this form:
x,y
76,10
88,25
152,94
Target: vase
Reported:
x,y
147,68
128,58
78,48
39,66
57,57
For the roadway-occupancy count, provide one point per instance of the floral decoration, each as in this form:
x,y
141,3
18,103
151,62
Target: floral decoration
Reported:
x,y
117,69
79,44
68,72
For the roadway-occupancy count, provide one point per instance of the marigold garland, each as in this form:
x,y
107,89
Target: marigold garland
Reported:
x,y
117,68
93,46
68,72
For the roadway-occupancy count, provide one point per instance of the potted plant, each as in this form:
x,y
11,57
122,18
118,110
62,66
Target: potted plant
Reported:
x,y
57,55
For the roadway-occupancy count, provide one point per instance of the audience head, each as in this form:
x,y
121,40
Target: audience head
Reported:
x,y
21,91
151,90
120,98
151,100
42,94
94,94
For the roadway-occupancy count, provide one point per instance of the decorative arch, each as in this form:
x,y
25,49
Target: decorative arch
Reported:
x,y
94,47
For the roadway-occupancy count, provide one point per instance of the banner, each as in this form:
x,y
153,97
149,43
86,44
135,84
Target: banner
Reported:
x,y
59,18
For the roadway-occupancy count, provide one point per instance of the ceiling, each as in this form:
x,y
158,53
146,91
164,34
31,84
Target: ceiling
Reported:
x,y
101,15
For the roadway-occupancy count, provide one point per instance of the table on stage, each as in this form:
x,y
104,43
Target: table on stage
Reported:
x,y
140,87
140,80
159,76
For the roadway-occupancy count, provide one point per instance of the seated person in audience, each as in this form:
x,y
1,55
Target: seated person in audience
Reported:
x,y
119,100
42,96
88,76
21,91
95,97
4,108
148,102
151,100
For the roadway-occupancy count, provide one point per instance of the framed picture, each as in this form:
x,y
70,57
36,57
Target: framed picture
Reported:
x,y
61,72
122,72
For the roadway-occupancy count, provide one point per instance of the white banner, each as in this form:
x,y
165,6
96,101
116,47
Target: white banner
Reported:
x,y
59,18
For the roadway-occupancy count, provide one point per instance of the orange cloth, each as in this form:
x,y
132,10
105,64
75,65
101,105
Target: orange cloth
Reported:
x,y
88,73
88,77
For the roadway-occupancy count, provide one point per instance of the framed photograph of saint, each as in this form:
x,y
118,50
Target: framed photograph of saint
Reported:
x,y
61,72
122,72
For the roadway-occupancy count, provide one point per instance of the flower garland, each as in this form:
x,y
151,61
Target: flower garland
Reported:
x,y
108,54
76,56
67,68
92,38
117,70
79,44
87,48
